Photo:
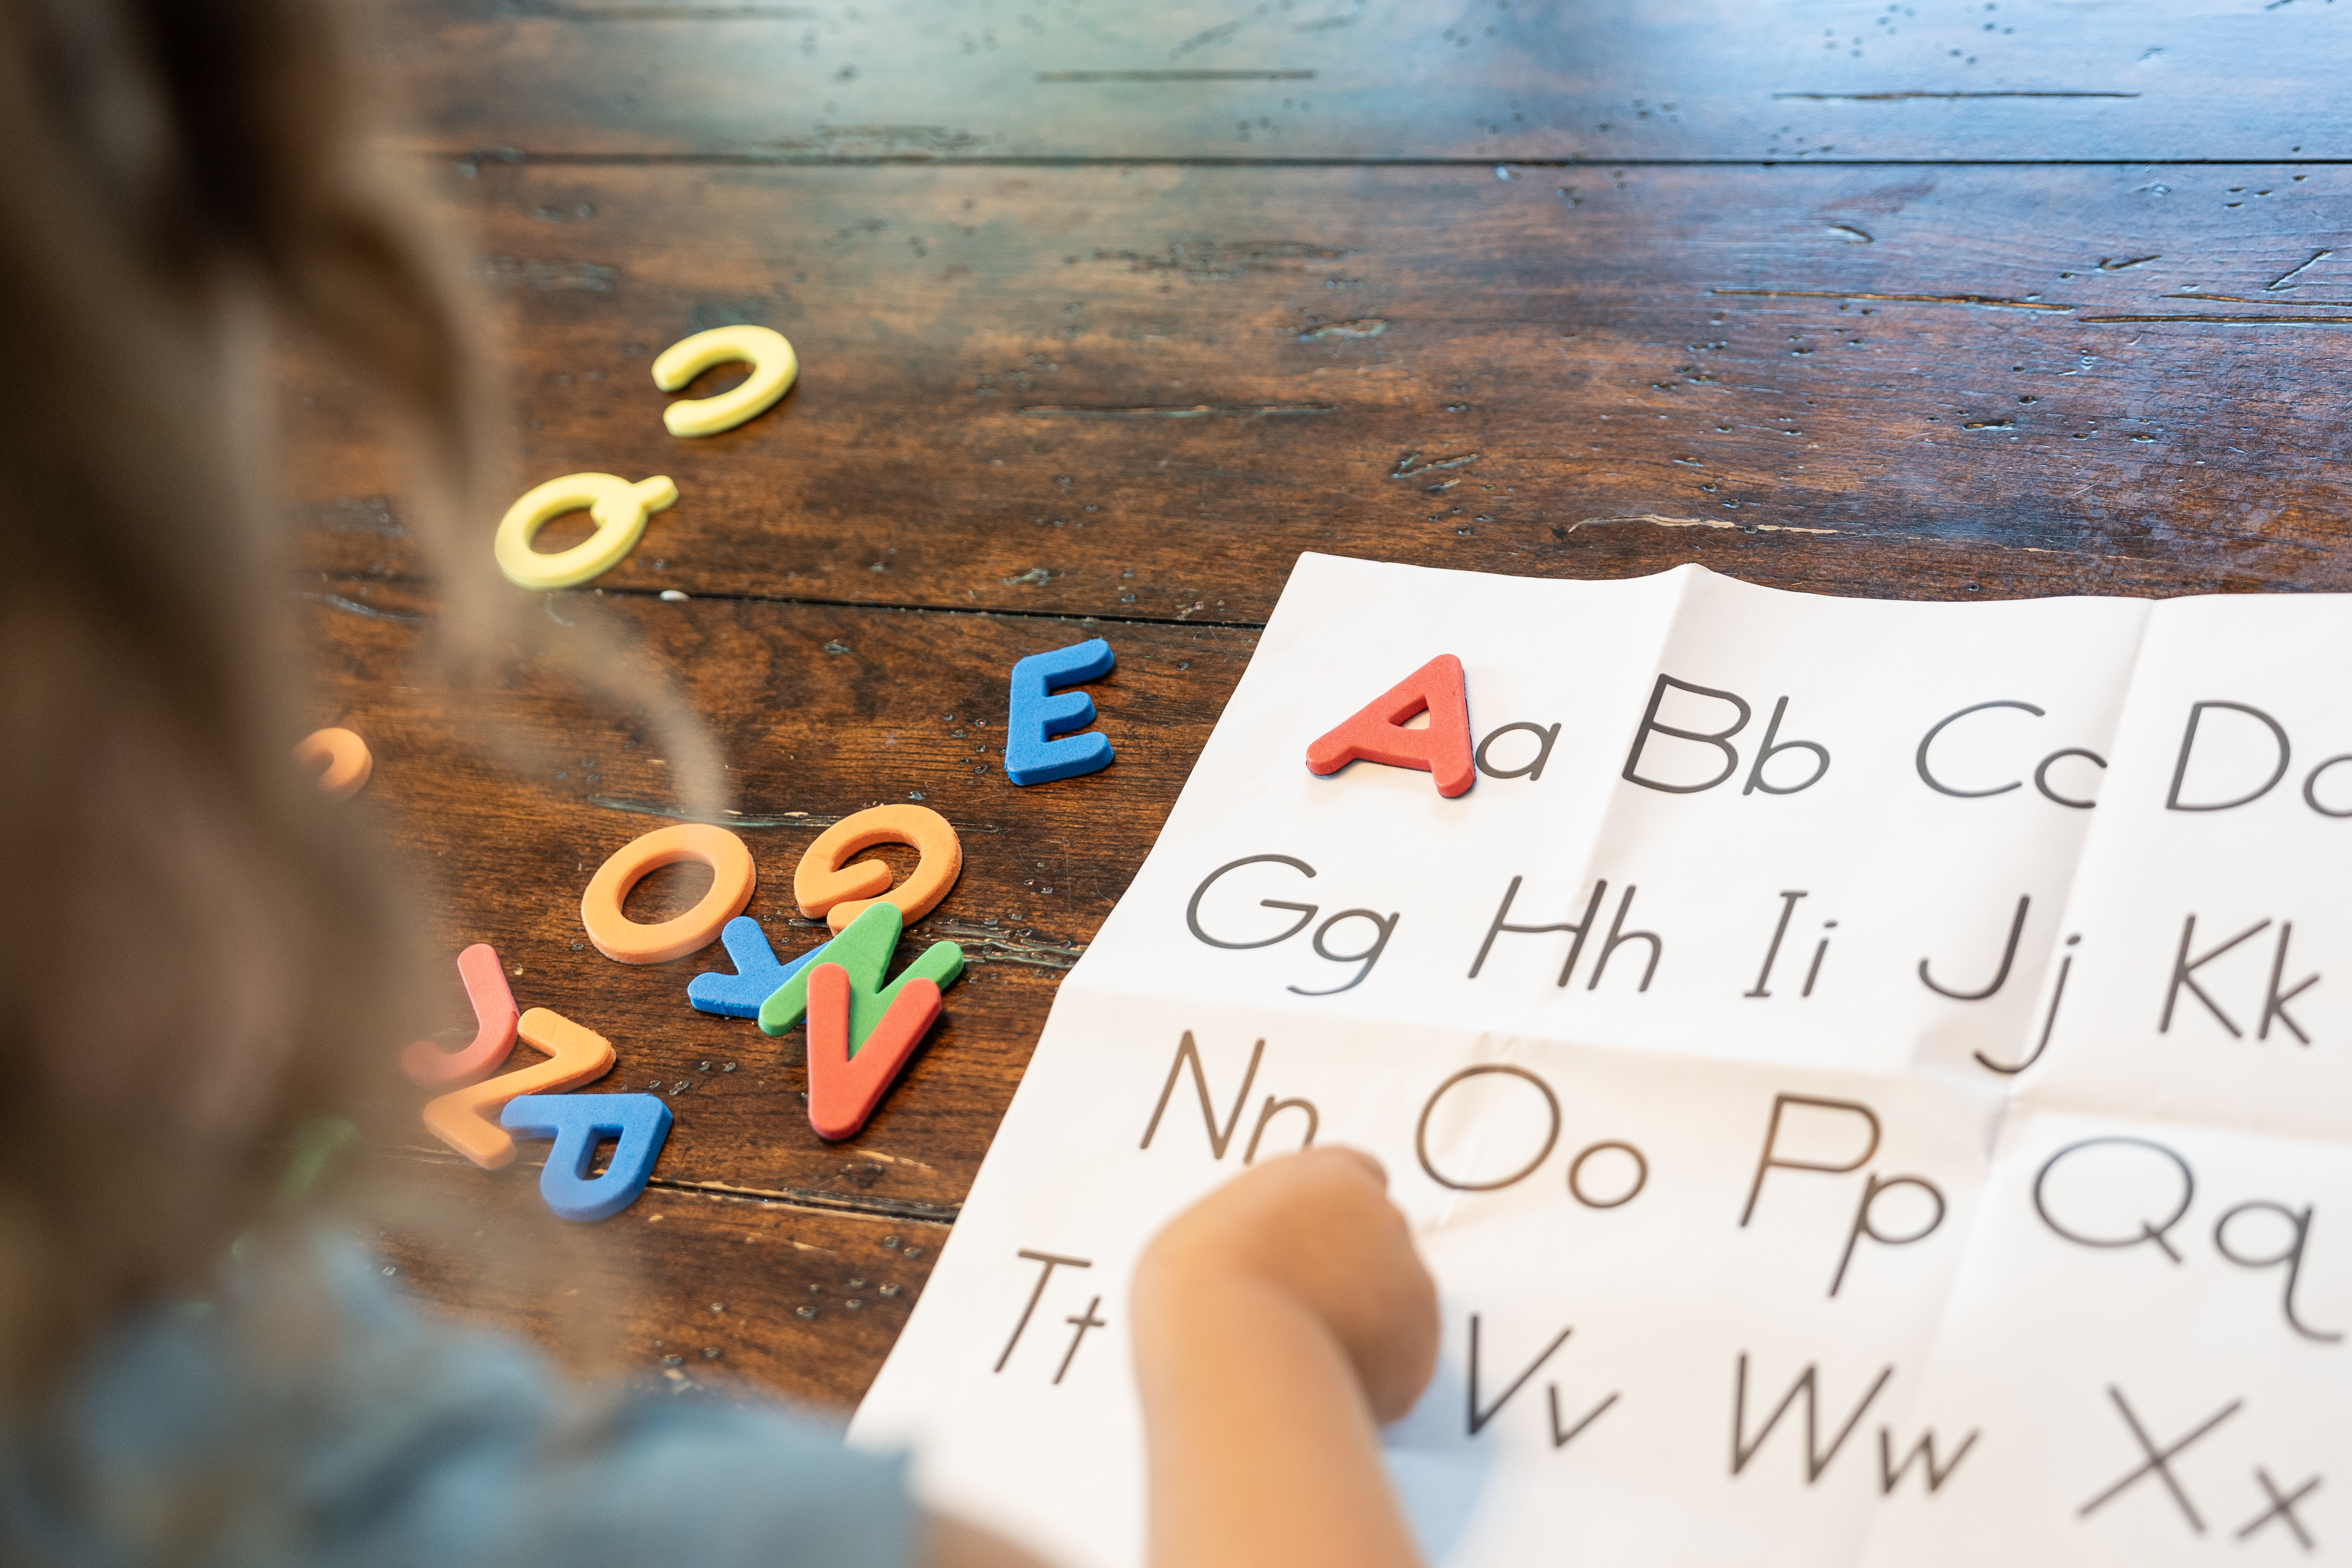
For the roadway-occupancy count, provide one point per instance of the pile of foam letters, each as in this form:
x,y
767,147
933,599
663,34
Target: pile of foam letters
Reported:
x,y
861,1031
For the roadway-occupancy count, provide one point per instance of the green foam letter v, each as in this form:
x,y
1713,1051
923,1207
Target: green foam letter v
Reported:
x,y
864,952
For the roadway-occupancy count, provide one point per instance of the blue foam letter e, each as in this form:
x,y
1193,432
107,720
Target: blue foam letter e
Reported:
x,y
1031,754
577,1123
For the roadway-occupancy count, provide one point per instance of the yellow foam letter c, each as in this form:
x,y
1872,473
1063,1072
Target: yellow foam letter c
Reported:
x,y
775,366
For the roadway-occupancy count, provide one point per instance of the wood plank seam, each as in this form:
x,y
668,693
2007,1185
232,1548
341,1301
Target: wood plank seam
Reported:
x,y
790,1198
353,607
476,157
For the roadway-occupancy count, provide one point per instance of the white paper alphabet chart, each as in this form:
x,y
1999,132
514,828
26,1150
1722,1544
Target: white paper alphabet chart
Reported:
x,y
1874,1080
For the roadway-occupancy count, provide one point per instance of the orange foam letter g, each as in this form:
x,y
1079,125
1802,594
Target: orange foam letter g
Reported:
x,y
823,885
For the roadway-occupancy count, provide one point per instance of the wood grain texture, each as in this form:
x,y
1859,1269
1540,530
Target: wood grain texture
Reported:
x,y
820,711
1106,311
1484,79
687,1291
1142,392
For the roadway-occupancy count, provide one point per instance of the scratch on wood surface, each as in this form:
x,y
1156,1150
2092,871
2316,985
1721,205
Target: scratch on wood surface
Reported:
x,y
748,819
2286,279
1987,301
1410,464
727,819
1202,40
1894,97
1220,261
1185,410
880,141
1173,76
816,1198
675,13
354,607
1368,326
1991,424
584,277
356,515
881,1158
767,1197
1656,521
995,945
2199,298
1325,23
2228,320
1852,235
2122,263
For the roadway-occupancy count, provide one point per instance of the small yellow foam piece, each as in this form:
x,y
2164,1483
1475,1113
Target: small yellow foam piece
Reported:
x,y
620,510
775,368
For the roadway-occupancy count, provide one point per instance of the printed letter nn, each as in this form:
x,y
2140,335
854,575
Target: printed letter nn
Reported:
x,y
1377,733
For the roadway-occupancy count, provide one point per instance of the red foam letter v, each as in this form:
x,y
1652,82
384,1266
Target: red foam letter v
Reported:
x,y
844,1088
1377,733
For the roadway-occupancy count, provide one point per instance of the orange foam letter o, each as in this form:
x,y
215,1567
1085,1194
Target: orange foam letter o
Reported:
x,y
823,885
624,940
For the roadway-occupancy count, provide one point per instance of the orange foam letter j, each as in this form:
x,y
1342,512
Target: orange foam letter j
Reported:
x,y
467,1120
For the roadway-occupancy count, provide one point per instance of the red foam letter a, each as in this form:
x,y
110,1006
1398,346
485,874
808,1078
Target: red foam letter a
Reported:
x,y
1377,733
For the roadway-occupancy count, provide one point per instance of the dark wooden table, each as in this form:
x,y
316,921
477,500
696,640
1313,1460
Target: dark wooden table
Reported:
x,y
1106,311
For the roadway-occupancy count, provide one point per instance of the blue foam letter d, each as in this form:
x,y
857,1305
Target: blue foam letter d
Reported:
x,y
577,1122
1031,754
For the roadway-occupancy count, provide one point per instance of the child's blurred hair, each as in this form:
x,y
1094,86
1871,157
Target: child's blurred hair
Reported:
x,y
197,954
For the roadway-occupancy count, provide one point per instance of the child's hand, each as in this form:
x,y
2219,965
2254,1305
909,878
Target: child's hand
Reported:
x,y
1317,1230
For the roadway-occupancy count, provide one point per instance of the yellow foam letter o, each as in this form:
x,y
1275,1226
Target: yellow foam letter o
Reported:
x,y
620,510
